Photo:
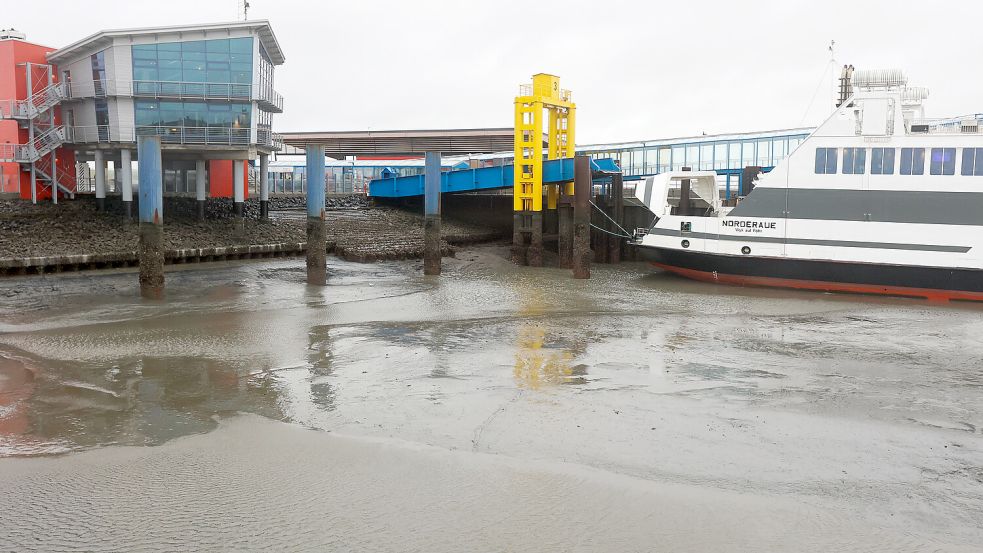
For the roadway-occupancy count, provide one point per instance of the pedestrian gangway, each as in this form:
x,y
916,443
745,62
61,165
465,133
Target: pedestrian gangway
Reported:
x,y
483,178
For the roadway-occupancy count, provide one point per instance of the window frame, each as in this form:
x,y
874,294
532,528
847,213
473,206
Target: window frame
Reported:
x,y
942,167
882,161
916,160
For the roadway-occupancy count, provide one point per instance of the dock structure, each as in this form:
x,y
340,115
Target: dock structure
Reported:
x,y
559,174
544,94
432,144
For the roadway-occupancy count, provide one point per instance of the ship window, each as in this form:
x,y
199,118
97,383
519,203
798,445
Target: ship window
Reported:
x,y
826,161
972,161
912,161
943,161
854,160
882,161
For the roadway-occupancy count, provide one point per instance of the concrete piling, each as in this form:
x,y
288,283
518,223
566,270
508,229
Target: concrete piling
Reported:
x,y
600,228
151,249
200,187
534,255
527,238
581,217
565,238
317,270
616,211
519,245
126,182
100,162
264,186
239,187
431,222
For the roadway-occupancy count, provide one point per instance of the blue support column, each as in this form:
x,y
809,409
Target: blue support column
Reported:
x,y
238,188
431,221
151,249
100,181
316,232
264,186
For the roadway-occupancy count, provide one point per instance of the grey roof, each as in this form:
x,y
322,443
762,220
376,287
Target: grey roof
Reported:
x,y
694,139
406,142
103,39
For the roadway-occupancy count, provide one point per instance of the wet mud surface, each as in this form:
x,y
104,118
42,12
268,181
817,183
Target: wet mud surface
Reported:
x,y
494,408
356,232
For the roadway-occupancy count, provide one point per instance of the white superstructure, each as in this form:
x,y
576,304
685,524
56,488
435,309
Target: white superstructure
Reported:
x,y
875,185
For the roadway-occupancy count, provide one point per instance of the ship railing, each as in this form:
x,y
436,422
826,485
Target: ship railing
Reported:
x,y
946,126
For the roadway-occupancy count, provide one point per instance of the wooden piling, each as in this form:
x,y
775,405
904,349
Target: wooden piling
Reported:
x,y
581,217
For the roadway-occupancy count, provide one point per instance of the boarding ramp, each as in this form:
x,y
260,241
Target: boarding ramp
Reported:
x,y
484,178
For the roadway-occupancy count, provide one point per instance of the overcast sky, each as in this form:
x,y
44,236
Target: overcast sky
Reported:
x,y
638,70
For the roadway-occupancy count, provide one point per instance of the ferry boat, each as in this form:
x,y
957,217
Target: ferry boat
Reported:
x,y
876,200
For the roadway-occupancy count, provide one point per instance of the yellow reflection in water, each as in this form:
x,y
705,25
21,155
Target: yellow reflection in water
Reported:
x,y
535,365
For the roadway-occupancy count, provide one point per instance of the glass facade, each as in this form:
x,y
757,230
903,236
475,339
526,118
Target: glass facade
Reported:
x,y
265,71
222,61
191,113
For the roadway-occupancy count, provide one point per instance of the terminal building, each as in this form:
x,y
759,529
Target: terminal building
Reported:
x,y
206,90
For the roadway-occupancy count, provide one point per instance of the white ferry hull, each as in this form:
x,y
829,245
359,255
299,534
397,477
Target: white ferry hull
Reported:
x,y
751,252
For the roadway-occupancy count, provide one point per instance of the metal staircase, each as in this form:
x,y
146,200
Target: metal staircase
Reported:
x,y
60,175
37,114
30,108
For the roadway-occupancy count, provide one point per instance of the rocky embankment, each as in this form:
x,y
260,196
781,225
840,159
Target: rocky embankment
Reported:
x,y
356,231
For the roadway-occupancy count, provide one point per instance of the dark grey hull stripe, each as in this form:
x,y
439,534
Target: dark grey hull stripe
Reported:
x,y
811,242
885,206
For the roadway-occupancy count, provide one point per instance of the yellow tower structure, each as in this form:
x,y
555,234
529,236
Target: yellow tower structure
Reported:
x,y
543,95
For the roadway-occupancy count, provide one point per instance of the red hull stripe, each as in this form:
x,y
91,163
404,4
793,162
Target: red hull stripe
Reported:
x,y
770,282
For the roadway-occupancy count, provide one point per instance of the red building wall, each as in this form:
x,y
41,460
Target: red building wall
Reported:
x,y
220,178
13,86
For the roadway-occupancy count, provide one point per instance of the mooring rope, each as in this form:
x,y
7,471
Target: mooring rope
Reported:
x,y
611,233
625,235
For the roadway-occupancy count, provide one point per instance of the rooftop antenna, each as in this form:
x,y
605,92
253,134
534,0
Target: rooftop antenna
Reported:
x,y
832,72
831,69
242,9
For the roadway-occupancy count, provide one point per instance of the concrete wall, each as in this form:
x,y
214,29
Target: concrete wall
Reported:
x,y
84,112
121,66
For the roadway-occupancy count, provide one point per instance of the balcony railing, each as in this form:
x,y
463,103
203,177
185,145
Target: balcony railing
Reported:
x,y
272,100
191,136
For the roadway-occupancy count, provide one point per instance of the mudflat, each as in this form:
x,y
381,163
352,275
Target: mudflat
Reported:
x,y
494,408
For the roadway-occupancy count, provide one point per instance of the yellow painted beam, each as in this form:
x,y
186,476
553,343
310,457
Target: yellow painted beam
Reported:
x,y
543,94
